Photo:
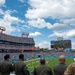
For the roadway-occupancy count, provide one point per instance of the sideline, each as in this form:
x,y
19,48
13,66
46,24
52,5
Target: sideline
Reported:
x,y
32,60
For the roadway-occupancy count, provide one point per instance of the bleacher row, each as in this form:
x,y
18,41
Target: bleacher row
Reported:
x,y
12,47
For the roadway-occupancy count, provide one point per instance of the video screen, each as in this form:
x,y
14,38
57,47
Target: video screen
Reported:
x,y
61,45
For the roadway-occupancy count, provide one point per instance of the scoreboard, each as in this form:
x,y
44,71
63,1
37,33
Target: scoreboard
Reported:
x,y
61,45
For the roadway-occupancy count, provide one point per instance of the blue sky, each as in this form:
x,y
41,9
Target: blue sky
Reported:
x,y
45,20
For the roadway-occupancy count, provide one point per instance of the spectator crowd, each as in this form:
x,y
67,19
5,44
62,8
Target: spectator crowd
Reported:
x,y
30,55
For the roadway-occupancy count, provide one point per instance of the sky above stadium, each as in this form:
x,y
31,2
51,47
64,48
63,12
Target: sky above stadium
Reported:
x,y
45,20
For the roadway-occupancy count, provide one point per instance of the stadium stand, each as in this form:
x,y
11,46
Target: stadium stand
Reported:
x,y
8,42
13,44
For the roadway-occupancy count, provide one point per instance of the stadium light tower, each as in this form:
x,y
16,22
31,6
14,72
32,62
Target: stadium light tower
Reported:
x,y
25,34
2,29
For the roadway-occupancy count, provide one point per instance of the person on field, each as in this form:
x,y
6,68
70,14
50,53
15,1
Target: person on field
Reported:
x,y
20,67
61,67
42,69
6,66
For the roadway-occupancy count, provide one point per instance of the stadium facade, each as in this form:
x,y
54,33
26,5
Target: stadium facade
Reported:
x,y
61,45
12,44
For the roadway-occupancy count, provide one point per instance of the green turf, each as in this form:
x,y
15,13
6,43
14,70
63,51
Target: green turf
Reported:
x,y
49,61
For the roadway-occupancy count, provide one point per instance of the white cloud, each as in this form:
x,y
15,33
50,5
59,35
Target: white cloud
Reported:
x,y
51,8
7,21
59,26
35,34
11,19
66,34
64,24
43,44
73,45
39,23
10,12
57,9
58,34
22,1
71,33
2,2
1,11
70,22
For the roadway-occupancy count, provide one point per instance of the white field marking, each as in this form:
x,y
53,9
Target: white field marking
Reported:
x,y
74,59
32,60
12,74
29,64
47,62
37,61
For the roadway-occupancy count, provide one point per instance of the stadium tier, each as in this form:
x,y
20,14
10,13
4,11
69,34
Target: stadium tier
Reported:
x,y
10,43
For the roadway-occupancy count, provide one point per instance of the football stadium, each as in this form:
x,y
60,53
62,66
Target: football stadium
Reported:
x,y
15,45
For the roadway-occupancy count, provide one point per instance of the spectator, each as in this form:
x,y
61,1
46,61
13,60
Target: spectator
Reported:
x,y
61,67
42,69
70,69
6,66
20,67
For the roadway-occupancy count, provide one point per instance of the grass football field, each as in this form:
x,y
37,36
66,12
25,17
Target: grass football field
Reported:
x,y
49,61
